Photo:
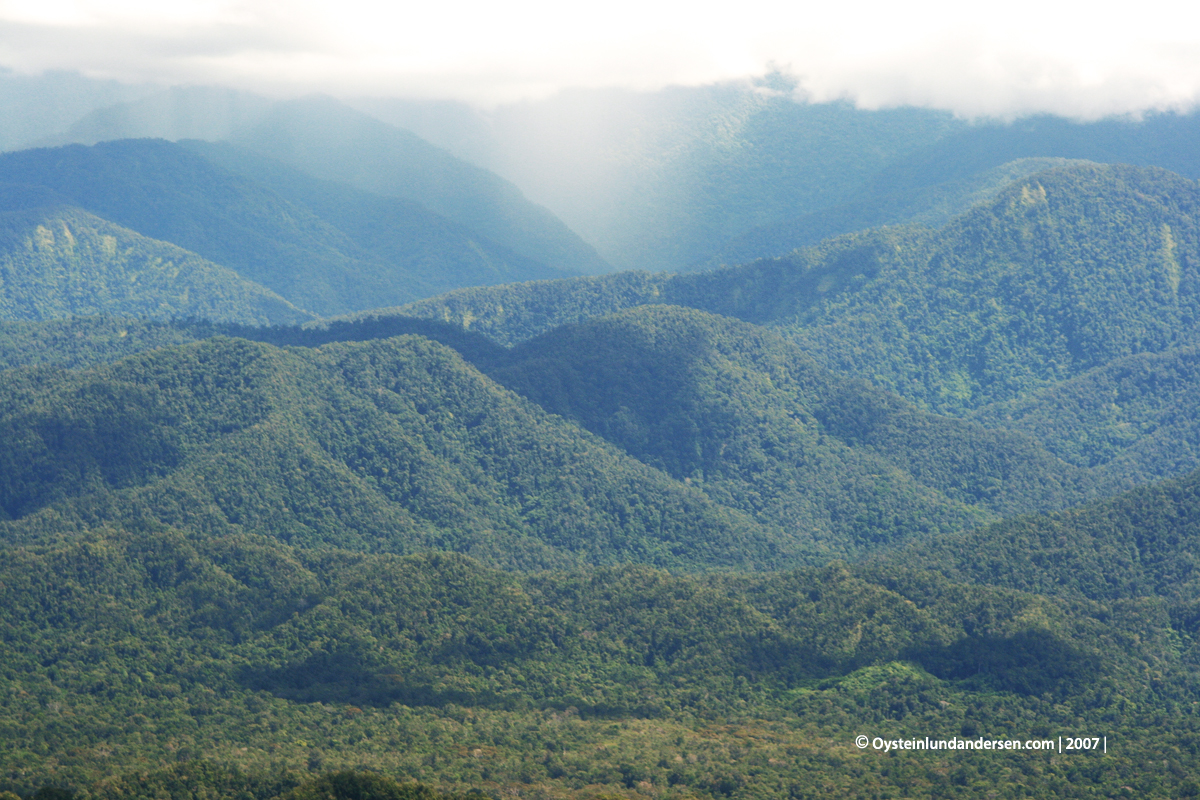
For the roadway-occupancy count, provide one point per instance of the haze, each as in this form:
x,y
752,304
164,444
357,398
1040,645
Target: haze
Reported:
x,y
975,61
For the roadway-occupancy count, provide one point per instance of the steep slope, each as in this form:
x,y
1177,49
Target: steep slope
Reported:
x,y
332,141
439,254
58,261
1062,272
166,192
756,424
359,251
931,206
393,445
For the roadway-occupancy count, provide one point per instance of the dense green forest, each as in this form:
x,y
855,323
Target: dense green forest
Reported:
x,y
725,419
219,591
248,654
394,445
639,535
1060,273
58,262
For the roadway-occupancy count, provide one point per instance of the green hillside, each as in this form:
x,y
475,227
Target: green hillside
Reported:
x,y
730,409
394,445
333,142
756,424
1134,418
931,206
1135,546
1063,272
641,535
57,261
1060,273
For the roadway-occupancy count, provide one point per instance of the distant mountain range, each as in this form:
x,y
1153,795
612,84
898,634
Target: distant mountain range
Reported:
x,y
324,247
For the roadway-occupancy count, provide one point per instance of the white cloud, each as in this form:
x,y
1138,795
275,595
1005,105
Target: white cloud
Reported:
x,y
1003,59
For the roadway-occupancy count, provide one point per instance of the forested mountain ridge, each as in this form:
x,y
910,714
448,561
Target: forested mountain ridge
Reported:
x,y
594,556
329,260
753,421
742,415
1063,271
930,206
57,261
1141,544
394,445
1136,417
436,253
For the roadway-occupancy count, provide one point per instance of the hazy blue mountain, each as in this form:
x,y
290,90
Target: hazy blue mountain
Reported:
x,y
658,180
36,107
332,141
1159,139
436,252
931,206
726,174
180,112
167,192
346,251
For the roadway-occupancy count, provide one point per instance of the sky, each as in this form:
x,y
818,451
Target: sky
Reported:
x,y
978,60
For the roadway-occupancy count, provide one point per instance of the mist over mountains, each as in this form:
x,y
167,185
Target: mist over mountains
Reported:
x,y
616,444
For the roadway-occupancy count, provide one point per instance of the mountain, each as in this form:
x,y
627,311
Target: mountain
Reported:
x,y
834,466
1135,417
1134,546
333,142
755,423
728,173
1158,139
179,112
1060,273
930,206
170,192
58,261
659,180
37,107
439,255
394,445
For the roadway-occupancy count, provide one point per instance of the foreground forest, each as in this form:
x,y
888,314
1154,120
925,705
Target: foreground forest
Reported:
x,y
508,527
